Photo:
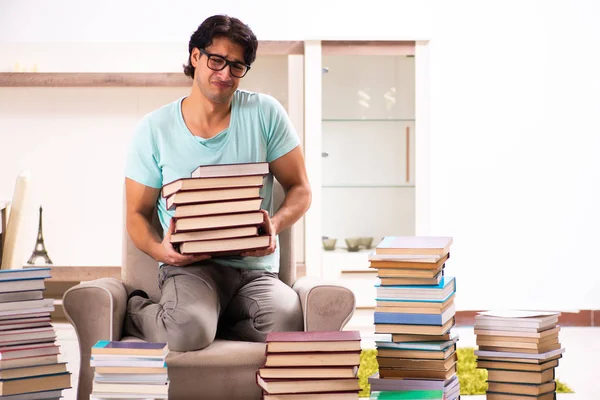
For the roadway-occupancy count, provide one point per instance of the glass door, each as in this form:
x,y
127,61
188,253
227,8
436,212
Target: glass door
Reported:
x,y
368,156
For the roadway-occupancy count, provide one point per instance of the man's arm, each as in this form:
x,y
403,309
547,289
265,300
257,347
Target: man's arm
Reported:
x,y
290,171
141,202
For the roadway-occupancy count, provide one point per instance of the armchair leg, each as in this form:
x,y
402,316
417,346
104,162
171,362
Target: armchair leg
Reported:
x,y
96,310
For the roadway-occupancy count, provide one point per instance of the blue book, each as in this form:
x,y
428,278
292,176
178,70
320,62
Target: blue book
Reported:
x,y
414,319
24,274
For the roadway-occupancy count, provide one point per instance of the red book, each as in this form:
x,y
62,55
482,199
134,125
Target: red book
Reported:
x,y
327,341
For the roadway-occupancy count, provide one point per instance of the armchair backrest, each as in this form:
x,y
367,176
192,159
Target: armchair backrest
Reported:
x,y
140,271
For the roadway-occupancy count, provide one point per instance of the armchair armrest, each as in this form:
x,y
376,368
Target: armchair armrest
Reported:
x,y
327,306
96,309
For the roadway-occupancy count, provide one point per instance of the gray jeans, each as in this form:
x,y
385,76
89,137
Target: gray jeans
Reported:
x,y
205,300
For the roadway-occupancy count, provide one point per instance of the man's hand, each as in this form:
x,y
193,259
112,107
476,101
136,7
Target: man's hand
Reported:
x,y
267,229
171,257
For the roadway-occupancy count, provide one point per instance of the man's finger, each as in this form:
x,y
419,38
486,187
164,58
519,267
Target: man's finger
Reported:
x,y
260,253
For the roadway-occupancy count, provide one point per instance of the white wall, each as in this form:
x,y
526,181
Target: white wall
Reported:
x,y
515,93
74,142
154,21
514,150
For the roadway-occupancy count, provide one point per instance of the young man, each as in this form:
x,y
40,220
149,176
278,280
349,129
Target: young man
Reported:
x,y
241,297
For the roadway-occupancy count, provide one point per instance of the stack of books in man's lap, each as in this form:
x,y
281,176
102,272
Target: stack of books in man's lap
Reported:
x,y
29,365
217,209
520,350
415,305
311,365
129,370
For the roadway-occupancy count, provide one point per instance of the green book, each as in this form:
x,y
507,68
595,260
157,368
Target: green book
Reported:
x,y
407,395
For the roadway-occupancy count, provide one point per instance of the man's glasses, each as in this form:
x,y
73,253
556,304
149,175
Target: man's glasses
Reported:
x,y
218,63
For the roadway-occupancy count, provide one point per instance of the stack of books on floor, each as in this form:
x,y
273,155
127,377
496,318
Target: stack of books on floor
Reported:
x,y
129,370
217,209
311,365
520,350
29,355
415,305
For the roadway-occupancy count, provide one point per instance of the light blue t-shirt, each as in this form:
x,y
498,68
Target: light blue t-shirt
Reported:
x,y
163,150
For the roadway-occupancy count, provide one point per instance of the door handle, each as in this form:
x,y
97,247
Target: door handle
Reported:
x,y
407,154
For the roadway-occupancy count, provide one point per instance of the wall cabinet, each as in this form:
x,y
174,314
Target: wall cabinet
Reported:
x,y
368,157
353,104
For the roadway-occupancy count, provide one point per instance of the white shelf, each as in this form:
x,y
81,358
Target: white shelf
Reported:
x,y
334,261
343,250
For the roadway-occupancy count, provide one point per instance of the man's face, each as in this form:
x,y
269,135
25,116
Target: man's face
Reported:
x,y
217,86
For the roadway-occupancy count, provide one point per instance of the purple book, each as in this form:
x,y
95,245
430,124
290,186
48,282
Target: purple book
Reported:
x,y
130,348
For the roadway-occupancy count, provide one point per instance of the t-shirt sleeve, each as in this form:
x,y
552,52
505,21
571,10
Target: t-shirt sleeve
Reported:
x,y
281,136
142,157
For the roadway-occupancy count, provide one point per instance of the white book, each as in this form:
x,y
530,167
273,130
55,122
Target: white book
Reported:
x,y
434,346
128,363
127,388
540,315
154,379
418,292
21,296
506,354
26,305
44,309
238,169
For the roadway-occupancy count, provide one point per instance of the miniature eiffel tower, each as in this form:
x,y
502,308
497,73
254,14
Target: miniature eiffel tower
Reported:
x,y
40,249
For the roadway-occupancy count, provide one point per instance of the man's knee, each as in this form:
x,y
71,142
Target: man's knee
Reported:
x,y
189,331
285,314
292,319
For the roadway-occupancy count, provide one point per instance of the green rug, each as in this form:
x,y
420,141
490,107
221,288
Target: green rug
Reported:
x,y
472,380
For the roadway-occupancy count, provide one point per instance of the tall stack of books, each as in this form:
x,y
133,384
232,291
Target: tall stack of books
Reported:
x,y
217,209
29,355
311,365
415,305
129,370
520,350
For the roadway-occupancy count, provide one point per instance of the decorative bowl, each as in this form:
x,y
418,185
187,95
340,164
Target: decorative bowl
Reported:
x,y
365,242
353,244
329,243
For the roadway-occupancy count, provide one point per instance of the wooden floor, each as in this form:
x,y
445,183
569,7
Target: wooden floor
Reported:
x,y
578,367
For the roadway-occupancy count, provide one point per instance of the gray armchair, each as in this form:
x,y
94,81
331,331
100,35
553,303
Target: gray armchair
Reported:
x,y
225,369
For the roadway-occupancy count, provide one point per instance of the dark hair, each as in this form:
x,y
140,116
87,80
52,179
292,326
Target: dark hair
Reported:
x,y
222,26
